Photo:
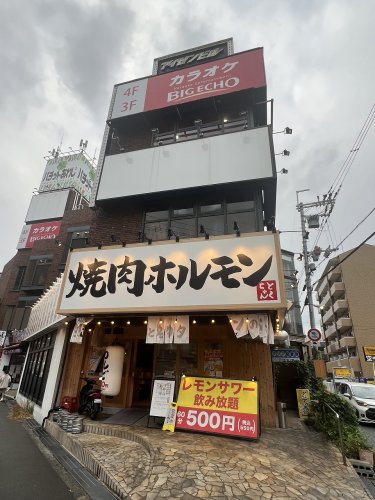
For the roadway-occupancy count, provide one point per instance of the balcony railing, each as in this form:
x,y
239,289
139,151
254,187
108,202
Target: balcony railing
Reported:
x,y
344,324
329,316
337,290
348,342
340,306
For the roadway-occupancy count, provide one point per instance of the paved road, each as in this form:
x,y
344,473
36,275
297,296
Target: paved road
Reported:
x,y
369,431
25,472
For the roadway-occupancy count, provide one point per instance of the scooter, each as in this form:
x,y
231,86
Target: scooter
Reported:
x,y
90,399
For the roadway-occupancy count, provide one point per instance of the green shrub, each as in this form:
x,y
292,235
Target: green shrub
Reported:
x,y
324,420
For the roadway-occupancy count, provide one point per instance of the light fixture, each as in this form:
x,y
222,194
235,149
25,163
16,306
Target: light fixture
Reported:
x,y
212,321
203,231
230,321
194,321
286,130
160,322
99,323
90,330
175,321
282,171
66,323
225,120
128,322
177,137
300,257
112,322
236,228
145,322
283,153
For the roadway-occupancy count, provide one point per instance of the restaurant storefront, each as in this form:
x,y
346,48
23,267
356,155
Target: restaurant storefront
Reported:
x,y
195,308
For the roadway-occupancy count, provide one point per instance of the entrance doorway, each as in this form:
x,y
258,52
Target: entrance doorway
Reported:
x,y
142,374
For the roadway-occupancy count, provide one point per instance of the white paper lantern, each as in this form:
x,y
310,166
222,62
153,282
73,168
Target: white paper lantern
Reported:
x,y
112,370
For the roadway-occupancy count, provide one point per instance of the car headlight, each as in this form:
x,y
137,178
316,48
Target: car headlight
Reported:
x,y
361,403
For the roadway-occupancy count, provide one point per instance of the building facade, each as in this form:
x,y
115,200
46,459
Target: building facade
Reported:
x,y
58,219
346,295
184,269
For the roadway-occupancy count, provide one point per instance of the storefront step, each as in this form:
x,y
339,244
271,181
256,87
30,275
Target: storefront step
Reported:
x,y
121,460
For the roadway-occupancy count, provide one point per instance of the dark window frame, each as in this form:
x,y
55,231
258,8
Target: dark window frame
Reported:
x,y
19,278
37,367
198,217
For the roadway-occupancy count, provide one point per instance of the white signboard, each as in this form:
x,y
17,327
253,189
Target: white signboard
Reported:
x,y
225,273
162,395
130,98
69,171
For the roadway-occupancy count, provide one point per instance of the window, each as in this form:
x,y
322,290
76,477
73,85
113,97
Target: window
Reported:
x,y
8,318
37,271
216,218
75,238
19,278
36,371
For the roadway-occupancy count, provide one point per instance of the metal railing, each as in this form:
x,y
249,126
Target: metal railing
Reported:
x,y
339,428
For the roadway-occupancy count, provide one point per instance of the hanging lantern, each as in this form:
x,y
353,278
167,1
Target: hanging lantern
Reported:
x,y
112,370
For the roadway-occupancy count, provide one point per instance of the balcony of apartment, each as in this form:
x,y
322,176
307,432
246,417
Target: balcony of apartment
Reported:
x,y
323,288
325,301
344,324
328,316
330,331
335,275
340,307
347,342
344,363
333,347
337,290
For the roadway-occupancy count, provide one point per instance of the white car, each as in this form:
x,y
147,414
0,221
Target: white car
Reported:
x,y
361,397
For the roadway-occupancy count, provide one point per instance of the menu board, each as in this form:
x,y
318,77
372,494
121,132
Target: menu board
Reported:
x,y
162,395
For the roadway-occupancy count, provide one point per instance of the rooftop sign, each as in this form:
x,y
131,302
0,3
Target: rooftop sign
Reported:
x,y
240,71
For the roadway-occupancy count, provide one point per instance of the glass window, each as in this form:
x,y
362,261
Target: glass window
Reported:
x,y
156,230
165,360
185,228
180,212
240,206
213,225
36,371
188,359
246,222
159,215
209,209
19,278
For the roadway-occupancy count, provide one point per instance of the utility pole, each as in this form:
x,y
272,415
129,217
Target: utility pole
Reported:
x,y
328,203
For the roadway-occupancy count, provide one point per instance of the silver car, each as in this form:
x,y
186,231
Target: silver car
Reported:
x,y
361,397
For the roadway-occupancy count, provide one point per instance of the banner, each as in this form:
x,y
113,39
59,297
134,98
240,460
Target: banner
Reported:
x,y
255,325
339,372
166,330
303,400
39,231
218,406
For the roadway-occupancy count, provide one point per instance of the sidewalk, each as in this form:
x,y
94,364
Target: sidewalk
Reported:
x,y
142,463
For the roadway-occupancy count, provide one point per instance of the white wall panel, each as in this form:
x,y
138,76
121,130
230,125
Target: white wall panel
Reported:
x,y
47,206
215,160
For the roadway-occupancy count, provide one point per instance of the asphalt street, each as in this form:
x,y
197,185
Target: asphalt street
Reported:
x,y
25,472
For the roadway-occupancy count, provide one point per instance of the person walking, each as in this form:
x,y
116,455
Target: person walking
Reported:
x,y
5,381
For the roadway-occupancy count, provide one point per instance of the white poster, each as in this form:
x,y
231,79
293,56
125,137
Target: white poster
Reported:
x,y
162,395
253,325
258,326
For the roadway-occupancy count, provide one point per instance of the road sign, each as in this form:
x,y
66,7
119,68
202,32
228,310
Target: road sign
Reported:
x,y
314,334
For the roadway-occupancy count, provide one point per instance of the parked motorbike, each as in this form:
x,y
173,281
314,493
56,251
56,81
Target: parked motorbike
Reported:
x,y
90,399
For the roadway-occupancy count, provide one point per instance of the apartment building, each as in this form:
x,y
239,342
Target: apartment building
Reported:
x,y
346,294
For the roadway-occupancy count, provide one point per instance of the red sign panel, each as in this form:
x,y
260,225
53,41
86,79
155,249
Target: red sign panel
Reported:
x,y
221,76
219,406
266,290
231,74
43,231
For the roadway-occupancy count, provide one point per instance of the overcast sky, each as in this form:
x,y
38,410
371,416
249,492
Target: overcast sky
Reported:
x,y
60,60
